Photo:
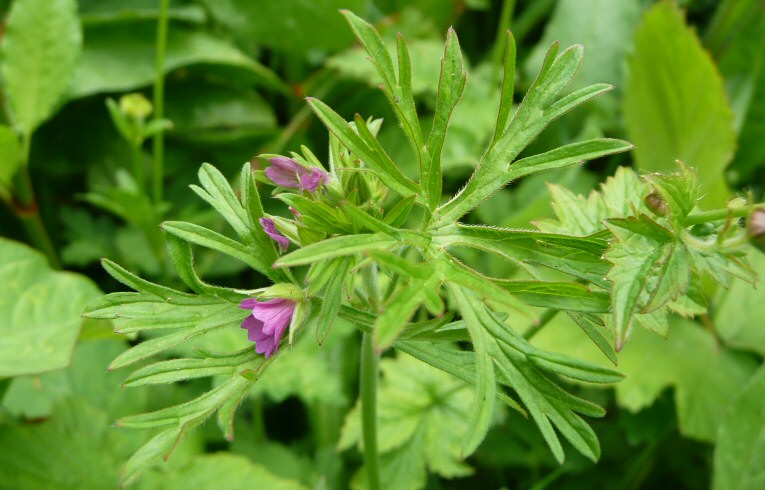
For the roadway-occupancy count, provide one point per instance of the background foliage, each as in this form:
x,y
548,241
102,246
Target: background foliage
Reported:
x,y
689,86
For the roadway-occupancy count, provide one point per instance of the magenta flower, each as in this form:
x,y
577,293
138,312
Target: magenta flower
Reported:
x,y
267,323
286,172
270,228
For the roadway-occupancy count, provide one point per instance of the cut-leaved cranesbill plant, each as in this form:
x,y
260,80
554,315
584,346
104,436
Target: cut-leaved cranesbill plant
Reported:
x,y
366,243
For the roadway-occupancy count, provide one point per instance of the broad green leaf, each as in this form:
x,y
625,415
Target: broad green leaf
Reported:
x,y
674,104
450,87
10,156
219,470
679,190
41,44
50,454
40,311
368,150
295,28
336,247
605,30
739,313
421,412
119,57
209,114
740,446
704,375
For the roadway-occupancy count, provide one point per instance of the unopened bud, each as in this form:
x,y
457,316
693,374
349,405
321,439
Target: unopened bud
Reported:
x,y
136,106
656,204
756,228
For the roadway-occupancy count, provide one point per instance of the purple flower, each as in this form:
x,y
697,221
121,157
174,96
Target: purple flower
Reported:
x,y
267,323
270,228
286,172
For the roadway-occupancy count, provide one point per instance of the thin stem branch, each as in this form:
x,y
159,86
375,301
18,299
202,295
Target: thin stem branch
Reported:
x,y
368,394
721,214
159,102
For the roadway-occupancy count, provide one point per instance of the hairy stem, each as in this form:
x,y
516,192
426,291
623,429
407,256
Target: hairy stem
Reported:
x,y
720,214
368,394
159,102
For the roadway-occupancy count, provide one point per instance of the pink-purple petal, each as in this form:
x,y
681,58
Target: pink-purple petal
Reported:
x,y
270,228
267,323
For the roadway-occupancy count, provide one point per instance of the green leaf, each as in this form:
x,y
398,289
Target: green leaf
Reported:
x,y
557,295
215,241
338,269
450,87
703,382
398,214
538,109
398,310
605,31
99,70
566,155
40,47
369,150
421,412
741,441
485,388
679,190
508,88
40,311
10,156
738,313
336,247
221,470
684,113
183,369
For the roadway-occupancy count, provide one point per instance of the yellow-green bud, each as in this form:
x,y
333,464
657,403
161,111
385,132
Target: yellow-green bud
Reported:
x,y
136,106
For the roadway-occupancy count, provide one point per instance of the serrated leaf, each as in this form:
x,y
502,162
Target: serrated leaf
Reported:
x,y
697,127
40,47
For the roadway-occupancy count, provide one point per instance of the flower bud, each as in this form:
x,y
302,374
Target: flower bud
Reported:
x,y
656,204
136,106
756,228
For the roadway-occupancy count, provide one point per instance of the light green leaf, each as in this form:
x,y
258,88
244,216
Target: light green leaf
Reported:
x,y
40,47
215,241
119,57
219,470
336,247
334,292
739,315
369,150
704,382
508,88
675,106
450,87
740,446
605,29
421,413
40,311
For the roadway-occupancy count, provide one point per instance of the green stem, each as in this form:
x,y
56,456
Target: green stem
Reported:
x,y
368,394
138,173
720,214
25,206
159,101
